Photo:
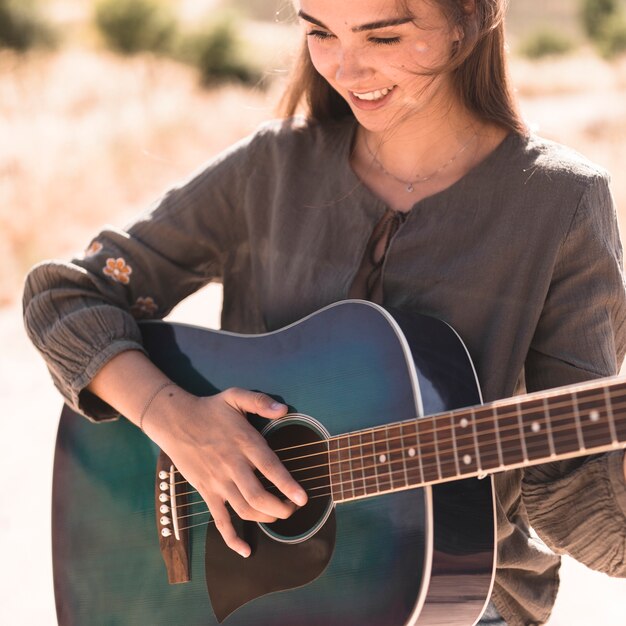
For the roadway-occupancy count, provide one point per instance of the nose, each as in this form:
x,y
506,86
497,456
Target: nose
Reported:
x,y
351,67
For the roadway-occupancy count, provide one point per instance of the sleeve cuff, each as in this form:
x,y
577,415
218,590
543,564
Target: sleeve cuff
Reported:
x,y
84,401
617,478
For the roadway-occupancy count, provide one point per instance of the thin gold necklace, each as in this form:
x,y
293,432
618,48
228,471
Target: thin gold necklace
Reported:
x,y
410,184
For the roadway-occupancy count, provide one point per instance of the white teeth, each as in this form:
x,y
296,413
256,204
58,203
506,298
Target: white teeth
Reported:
x,y
373,95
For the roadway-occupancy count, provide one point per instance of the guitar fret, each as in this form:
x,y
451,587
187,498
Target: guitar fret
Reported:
x,y
618,400
609,410
433,424
405,451
345,475
594,418
395,445
579,428
536,430
487,444
478,459
497,431
508,423
546,412
448,461
381,460
563,430
362,457
416,458
426,446
336,484
454,446
370,471
521,432
356,467
466,442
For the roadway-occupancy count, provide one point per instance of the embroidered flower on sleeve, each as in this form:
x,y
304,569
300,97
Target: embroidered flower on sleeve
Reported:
x,y
144,307
118,270
93,249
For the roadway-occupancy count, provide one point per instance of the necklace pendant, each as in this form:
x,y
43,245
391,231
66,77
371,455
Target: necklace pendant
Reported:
x,y
409,188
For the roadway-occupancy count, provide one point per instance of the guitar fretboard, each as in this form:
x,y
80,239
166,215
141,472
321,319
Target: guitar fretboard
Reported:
x,y
517,432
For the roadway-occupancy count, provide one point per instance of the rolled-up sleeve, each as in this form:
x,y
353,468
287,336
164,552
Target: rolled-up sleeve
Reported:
x,y
578,506
81,313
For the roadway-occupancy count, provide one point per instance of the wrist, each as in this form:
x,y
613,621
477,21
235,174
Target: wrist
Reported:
x,y
167,411
151,399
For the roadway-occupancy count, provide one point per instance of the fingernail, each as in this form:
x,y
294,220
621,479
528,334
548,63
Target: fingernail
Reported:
x,y
299,497
277,405
244,552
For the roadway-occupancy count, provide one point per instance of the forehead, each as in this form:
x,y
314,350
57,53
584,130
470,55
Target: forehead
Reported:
x,y
354,13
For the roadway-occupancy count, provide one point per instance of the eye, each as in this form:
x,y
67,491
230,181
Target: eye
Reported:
x,y
320,35
385,41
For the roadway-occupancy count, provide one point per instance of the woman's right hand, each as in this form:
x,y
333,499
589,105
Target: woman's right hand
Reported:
x,y
211,442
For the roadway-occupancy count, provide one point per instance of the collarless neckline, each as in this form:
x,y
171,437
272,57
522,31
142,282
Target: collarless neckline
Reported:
x,y
355,181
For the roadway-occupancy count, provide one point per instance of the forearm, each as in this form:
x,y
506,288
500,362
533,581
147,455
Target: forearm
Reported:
x,y
129,382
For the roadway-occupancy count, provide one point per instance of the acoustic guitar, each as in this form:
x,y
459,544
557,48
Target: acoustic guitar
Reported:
x,y
386,432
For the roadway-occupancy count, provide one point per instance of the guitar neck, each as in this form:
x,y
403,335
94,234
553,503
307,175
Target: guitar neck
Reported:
x,y
516,432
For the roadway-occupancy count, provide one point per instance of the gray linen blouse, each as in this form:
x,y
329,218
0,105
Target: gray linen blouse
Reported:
x,y
521,256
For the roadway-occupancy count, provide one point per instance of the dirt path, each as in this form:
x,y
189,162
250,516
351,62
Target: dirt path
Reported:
x,y
27,433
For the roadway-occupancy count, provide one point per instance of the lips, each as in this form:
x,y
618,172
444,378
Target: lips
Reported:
x,y
370,100
373,95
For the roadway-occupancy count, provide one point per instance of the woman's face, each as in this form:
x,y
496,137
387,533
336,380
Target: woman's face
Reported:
x,y
374,53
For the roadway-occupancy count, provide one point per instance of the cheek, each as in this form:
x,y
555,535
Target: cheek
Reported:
x,y
321,58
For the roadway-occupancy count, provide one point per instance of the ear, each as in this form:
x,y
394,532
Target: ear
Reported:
x,y
468,9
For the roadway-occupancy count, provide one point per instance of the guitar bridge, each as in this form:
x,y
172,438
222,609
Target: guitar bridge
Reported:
x,y
170,497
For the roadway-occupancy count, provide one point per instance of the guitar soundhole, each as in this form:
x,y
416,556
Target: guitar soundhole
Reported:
x,y
302,447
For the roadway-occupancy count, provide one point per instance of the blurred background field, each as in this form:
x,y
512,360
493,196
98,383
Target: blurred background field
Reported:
x,y
89,135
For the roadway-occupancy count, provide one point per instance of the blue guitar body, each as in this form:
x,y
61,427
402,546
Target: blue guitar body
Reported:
x,y
418,556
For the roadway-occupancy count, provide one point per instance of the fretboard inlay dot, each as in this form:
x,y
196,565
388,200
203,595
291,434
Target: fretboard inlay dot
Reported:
x,y
464,423
382,458
535,427
467,459
412,452
594,416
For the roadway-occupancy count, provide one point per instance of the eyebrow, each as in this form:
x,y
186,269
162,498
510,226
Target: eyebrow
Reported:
x,y
363,27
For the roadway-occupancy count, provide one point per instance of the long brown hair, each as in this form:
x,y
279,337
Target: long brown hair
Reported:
x,y
477,66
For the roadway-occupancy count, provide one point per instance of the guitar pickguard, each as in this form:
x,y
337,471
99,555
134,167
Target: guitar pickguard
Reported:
x,y
232,581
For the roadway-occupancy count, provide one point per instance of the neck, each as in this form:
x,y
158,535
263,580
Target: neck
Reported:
x,y
521,431
417,148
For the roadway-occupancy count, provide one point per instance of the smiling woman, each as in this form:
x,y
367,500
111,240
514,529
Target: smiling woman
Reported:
x,y
432,73
410,181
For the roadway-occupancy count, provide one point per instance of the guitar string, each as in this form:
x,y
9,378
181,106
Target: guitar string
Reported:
x,y
445,417
390,489
464,442
388,476
376,475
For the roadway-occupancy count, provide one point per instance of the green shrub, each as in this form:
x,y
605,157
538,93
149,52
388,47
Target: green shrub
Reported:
x,y
22,27
216,51
595,13
546,42
266,10
131,26
612,40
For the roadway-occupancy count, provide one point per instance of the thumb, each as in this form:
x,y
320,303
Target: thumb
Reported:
x,y
255,402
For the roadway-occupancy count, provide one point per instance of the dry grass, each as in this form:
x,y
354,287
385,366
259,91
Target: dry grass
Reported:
x,y
87,138
580,101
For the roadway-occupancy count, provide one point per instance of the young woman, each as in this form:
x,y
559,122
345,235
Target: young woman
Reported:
x,y
413,182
